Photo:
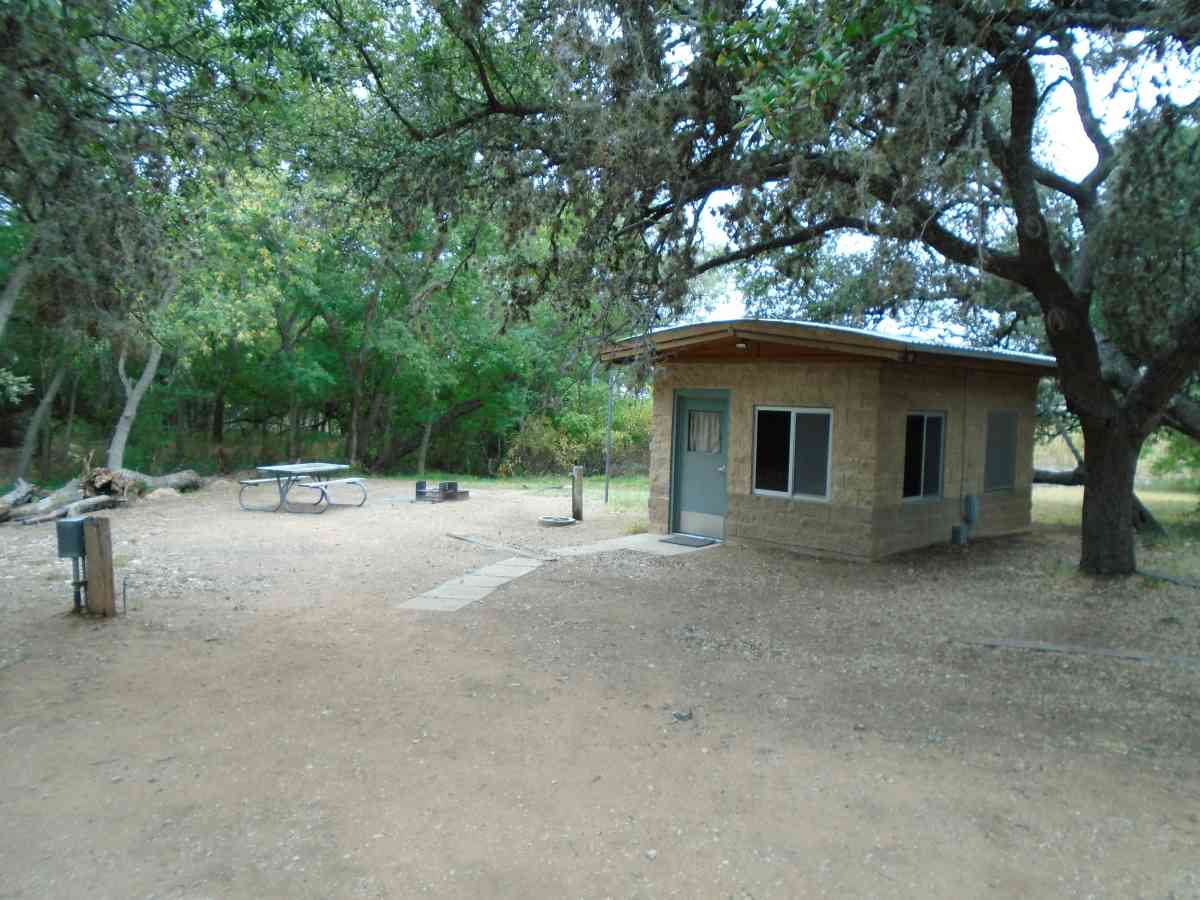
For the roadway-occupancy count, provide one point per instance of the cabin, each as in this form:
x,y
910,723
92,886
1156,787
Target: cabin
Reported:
x,y
836,441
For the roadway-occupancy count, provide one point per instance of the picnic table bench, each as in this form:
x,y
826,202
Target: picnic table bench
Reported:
x,y
323,486
287,476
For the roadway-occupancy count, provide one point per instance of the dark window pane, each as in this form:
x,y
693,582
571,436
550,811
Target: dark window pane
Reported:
x,y
772,440
933,456
1000,462
914,433
810,474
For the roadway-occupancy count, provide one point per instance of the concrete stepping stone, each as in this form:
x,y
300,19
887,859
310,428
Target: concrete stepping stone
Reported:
x,y
458,592
474,586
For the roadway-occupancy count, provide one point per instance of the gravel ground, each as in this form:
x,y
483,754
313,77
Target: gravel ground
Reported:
x,y
729,723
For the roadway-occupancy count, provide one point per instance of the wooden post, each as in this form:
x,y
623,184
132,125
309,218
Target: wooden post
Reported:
x,y
97,544
608,439
577,493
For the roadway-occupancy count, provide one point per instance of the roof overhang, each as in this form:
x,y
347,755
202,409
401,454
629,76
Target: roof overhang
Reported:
x,y
761,340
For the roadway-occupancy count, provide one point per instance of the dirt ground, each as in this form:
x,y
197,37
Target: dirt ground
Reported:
x,y
730,723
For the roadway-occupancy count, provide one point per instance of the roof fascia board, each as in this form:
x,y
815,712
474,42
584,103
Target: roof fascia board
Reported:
x,y
850,349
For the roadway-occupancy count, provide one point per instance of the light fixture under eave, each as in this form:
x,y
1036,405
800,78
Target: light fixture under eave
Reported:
x,y
741,345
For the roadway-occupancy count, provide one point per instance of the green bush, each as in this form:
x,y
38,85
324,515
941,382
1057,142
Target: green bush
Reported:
x,y
549,444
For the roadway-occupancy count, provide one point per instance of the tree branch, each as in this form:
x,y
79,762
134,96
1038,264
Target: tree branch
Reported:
x,y
837,223
1091,125
1163,378
1122,17
1182,413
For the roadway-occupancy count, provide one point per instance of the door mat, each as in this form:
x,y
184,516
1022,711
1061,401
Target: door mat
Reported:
x,y
686,540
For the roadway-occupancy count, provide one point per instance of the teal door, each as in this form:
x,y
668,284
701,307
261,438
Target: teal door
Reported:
x,y
701,452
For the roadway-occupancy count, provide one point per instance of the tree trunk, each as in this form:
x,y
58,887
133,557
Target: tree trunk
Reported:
x,y
230,355
352,431
1143,520
376,429
40,416
423,450
12,290
293,429
181,429
70,418
1111,454
133,399
217,429
398,448
47,443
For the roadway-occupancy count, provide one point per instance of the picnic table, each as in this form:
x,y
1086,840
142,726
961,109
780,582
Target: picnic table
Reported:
x,y
286,476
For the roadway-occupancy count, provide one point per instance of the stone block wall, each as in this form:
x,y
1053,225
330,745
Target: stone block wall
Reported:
x,y
965,397
866,515
841,526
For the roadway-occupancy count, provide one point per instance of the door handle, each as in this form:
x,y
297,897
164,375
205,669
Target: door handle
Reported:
x,y
720,469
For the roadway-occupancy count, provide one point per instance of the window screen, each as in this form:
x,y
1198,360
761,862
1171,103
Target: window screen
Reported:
x,y
791,452
704,431
810,471
1000,461
923,434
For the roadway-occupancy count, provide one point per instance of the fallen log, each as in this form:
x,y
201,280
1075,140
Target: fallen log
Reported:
x,y
98,481
183,481
70,499
1067,477
78,508
123,482
68,493
20,493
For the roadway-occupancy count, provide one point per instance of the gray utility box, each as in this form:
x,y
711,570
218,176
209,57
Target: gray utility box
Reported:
x,y
70,537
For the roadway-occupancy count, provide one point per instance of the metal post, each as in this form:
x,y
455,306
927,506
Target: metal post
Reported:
x,y
577,493
608,446
76,583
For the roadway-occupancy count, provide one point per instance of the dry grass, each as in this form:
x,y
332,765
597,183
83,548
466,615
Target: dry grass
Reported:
x,y
1059,508
1055,505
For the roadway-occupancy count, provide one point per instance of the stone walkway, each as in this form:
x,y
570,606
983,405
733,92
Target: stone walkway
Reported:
x,y
465,590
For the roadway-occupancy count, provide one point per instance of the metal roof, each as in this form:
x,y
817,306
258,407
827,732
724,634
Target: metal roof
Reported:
x,y
899,343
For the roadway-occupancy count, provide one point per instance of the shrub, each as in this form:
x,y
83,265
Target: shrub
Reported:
x,y
549,444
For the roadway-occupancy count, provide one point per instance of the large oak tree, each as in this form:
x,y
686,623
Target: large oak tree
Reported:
x,y
623,123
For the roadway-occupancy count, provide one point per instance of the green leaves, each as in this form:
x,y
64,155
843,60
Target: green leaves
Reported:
x,y
792,62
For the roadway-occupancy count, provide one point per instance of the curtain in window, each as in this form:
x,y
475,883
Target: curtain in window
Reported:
x,y
704,431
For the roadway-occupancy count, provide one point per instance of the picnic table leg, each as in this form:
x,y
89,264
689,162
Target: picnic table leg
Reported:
x,y
242,500
316,507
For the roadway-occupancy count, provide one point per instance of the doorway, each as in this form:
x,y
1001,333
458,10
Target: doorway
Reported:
x,y
701,453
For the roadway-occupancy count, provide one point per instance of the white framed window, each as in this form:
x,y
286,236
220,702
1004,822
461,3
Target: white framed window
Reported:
x,y
792,451
1000,453
924,444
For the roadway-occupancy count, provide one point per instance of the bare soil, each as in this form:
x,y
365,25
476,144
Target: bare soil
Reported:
x,y
729,723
